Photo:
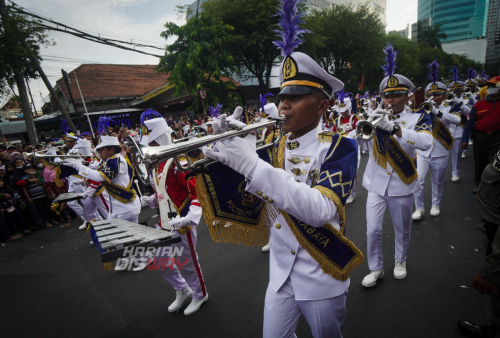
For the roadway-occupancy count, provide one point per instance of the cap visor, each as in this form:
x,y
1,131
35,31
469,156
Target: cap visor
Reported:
x,y
297,90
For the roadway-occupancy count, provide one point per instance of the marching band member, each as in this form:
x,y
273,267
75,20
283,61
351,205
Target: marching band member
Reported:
x,y
457,87
344,124
436,157
310,180
173,186
390,176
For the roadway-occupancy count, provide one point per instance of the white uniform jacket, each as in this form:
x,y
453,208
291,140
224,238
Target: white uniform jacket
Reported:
x,y
290,190
437,149
385,181
457,130
122,178
76,184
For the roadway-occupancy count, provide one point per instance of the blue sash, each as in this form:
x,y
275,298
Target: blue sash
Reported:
x,y
328,246
386,149
109,169
441,133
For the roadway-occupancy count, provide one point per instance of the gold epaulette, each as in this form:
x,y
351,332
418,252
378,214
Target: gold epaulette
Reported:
x,y
326,136
270,137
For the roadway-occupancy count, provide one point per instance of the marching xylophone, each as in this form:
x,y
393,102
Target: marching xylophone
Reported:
x,y
67,197
113,236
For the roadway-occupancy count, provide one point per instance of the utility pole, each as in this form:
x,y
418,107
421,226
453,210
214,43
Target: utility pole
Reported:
x,y
53,95
66,81
84,106
21,87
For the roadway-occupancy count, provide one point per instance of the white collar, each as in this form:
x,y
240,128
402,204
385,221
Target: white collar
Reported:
x,y
305,140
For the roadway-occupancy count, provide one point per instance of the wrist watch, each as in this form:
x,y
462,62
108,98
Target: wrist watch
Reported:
x,y
395,129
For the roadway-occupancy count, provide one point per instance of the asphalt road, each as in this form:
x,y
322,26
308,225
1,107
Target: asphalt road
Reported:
x,y
53,284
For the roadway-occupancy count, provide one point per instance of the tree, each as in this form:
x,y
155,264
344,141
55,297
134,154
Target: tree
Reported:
x,y
350,51
250,44
198,59
432,36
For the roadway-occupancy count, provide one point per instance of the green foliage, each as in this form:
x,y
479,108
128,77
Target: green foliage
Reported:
x,y
251,41
198,59
15,28
432,36
345,41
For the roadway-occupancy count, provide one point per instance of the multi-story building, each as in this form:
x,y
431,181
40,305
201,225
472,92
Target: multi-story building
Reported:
x,y
403,32
419,26
463,22
377,6
493,32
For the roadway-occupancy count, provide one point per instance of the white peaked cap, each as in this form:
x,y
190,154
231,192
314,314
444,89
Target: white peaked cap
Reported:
x,y
108,141
160,131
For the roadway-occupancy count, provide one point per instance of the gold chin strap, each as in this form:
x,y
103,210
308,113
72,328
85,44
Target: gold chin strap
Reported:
x,y
301,83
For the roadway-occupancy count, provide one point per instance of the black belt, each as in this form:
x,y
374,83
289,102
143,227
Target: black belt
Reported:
x,y
489,133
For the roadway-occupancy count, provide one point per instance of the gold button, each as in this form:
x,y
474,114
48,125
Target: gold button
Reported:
x,y
278,226
292,252
271,200
259,193
265,198
306,160
388,173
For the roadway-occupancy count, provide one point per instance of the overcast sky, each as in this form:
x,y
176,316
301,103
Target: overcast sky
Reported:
x,y
129,19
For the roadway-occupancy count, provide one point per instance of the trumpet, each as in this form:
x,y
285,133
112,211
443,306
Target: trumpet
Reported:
x,y
361,111
365,130
449,97
146,159
427,106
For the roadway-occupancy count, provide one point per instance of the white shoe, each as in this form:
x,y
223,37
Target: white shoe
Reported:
x,y
463,155
83,226
180,297
266,247
91,242
364,152
400,270
123,263
371,279
350,199
144,261
435,211
455,178
417,214
195,305
470,142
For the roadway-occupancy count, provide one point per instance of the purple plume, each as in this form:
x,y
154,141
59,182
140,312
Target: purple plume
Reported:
x,y
149,113
433,74
484,75
367,95
84,133
102,124
390,60
471,73
215,111
343,95
454,70
64,126
290,33
263,100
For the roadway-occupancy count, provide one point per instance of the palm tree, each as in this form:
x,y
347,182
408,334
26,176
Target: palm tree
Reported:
x,y
432,36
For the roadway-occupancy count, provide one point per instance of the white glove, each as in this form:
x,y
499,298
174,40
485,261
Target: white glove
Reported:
x,y
434,110
385,124
237,124
456,100
236,115
73,163
73,152
147,200
222,123
179,222
237,153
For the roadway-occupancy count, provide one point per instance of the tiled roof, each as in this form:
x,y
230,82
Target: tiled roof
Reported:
x,y
11,105
105,81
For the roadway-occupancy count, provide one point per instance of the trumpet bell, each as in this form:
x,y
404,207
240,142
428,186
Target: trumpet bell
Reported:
x,y
427,106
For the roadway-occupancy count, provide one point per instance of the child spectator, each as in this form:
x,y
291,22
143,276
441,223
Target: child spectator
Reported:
x,y
12,215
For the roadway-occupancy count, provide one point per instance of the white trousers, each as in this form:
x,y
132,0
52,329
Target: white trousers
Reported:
x,y
282,312
131,217
77,208
438,172
456,157
93,204
400,209
189,273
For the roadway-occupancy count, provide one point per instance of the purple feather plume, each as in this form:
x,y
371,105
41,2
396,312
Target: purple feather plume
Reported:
x,y
290,33
64,126
434,73
215,111
390,60
84,133
367,95
343,95
454,70
471,73
102,124
484,75
263,100
149,113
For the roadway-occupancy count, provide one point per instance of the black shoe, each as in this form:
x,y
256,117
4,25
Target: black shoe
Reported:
x,y
476,331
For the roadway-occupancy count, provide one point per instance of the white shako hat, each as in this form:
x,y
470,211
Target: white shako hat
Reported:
x,y
393,83
270,110
160,131
434,86
300,74
108,141
71,136
84,147
347,105
148,114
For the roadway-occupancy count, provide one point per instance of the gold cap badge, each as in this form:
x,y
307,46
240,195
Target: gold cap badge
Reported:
x,y
289,68
392,82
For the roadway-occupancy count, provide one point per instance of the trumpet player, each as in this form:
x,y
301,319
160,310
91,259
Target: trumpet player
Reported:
x,y
457,105
390,176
